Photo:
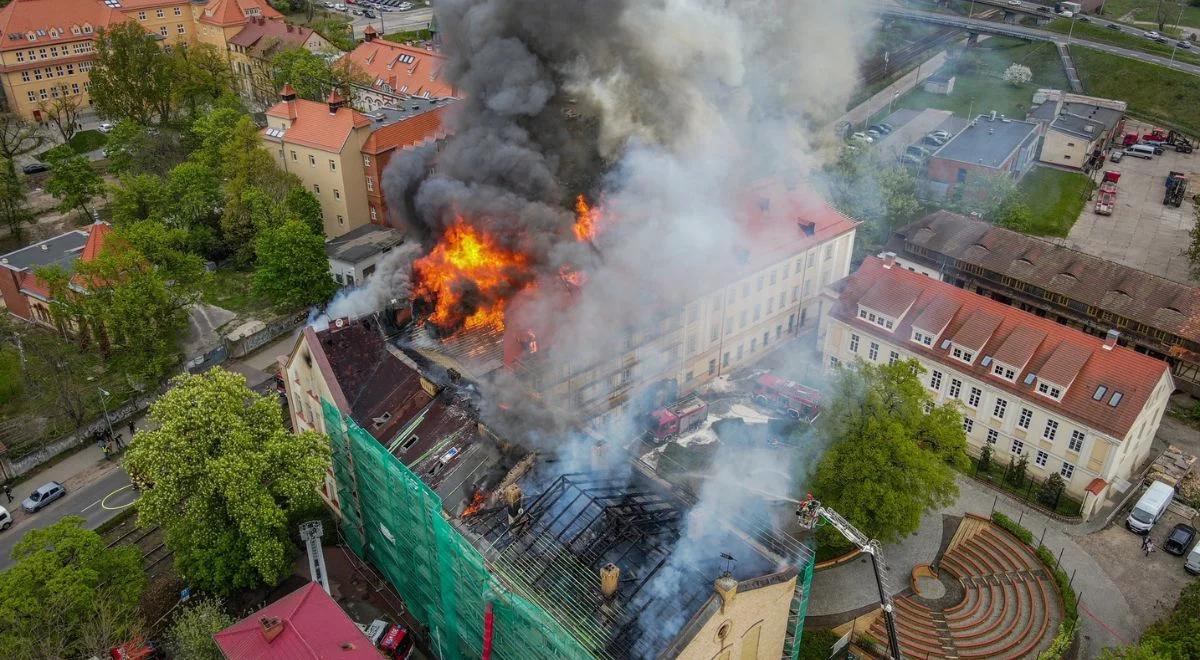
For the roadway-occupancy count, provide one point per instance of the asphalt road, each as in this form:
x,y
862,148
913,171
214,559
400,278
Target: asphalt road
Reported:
x,y
394,21
96,502
1020,31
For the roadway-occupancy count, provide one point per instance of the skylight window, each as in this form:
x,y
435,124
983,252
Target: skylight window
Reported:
x,y
1100,391
1116,398
1030,378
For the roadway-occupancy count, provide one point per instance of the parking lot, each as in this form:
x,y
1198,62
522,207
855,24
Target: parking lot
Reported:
x,y
1142,232
1151,584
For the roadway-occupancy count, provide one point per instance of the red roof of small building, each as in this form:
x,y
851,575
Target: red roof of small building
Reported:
x,y
314,626
408,132
314,126
1059,349
404,69
237,12
23,17
262,37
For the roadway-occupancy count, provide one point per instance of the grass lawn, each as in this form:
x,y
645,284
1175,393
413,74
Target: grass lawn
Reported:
x,y
80,143
1055,199
1123,39
234,290
1154,93
1145,10
412,35
978,87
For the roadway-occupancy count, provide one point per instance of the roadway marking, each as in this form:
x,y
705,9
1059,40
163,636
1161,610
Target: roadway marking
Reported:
x,y
104,501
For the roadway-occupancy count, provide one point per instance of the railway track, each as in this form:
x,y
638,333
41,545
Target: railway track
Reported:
x,y
149,541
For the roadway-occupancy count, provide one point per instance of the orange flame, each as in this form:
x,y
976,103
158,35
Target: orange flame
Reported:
x,y
464,256
587,220
571,276
477,502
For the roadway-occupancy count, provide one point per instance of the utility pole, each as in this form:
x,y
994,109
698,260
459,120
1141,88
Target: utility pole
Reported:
x,y
1072,30
1178,19
104,406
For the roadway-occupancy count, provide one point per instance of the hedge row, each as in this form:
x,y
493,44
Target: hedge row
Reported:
x,y
1066,630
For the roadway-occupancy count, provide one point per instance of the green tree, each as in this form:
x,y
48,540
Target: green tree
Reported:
x,y
1016,470
193,196
67,595
312,76
17,138
201,76
191,636
292,269
1051,489
211,131
14,205
62,111
73,182
11,384
168,248
136,149
883,196
131,76
888,461
301,204
135,197
1175,636
222,475
244,217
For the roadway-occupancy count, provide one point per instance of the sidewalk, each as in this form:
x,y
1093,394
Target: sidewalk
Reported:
x,y
860,113
81,468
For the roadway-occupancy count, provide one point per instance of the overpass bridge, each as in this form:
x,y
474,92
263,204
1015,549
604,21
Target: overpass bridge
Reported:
x,y
979,26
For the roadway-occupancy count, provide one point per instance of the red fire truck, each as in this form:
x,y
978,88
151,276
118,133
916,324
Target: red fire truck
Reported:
x,y
683,416
798,401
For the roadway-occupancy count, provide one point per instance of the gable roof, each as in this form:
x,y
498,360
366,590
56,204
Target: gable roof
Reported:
x,y
1133,294
1064,356
314,126
22,17
314,626
261,37
402,69
408,132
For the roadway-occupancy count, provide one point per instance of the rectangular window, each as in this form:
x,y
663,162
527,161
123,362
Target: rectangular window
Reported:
x,y
1040,459
955,387
1000,409
370,185
1067,470
312,160
373,215
294,156
1051,430
162,31
757,312
178,11
760,283
317,188
341,220
973,397
754,344
833,361
935,380
160,13
1049,390
141,15
853,343
1076,442
742,319
332,165
772,283
180,29
1018,447
873,351
1004,372
964,355
1025,418
337,194
992,436
366,161
893,356
968,425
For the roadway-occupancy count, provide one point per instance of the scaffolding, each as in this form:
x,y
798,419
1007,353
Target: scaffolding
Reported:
x,y
538,570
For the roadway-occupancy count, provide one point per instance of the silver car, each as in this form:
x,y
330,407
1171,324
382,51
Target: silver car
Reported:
x,y
45,494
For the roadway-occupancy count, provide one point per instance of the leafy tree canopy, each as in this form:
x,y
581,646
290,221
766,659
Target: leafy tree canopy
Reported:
x,y
888,461
292,269
73,182
221,474
67,595
191,636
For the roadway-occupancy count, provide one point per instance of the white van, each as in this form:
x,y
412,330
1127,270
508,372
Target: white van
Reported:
x,y
1192,565
1140,150
5,519
1150,507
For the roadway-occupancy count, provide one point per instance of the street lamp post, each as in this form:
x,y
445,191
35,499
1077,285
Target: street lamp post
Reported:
x,y
1072,30
1178,18
893,102
104,406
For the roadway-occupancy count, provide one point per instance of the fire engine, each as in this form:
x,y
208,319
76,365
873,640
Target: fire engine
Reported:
x,y
798,401
683,416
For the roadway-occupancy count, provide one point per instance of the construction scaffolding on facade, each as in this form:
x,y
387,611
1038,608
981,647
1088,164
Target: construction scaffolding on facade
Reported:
x,y
564,570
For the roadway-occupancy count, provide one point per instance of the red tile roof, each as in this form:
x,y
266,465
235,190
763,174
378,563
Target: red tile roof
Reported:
x,y
1120,370
936,315
977,330
403,69
97,233
891,298
262,37
233,12
314,126
1019,347
314,626
408,132
22,17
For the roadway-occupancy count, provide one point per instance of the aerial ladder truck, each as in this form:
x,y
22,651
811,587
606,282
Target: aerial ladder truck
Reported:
x,y
810,513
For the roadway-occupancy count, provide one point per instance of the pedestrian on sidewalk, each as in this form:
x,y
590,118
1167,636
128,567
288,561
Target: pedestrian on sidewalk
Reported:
x,y
132,429
1149,546
8,492
1145,542
106,450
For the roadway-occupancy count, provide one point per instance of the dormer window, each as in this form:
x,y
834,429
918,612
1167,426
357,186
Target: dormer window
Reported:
x,y
878,319
963,354
1049,389
1004,371
923,338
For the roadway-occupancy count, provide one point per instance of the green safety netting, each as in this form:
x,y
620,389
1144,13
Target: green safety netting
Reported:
x,y
394,520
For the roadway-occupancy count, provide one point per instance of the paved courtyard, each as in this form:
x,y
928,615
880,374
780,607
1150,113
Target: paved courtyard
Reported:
x,y
1142,232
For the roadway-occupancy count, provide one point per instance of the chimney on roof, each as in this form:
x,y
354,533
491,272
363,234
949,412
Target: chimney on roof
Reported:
x,y
289,26
513,497
889,259
335,102
339,325
288,93
610,579
369,33
270,627
1110,340
726,588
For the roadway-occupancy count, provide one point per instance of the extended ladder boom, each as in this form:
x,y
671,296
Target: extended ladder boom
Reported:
x,y
809,512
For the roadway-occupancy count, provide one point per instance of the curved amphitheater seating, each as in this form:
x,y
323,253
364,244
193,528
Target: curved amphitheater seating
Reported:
x,y
1010,608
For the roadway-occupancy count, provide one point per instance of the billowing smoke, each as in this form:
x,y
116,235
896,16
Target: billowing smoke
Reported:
x,y
390,283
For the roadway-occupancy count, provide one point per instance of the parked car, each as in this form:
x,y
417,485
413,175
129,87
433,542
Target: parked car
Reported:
x,y
1015,3
1162,40
1151,35
1043,8
918,151
368,13
1113,26
1115,156
933,140
1180,538
5,519
1186,45
874,134
1192,565
882,129
941,134
862,137
35,168
105,127
1083,19
45,494
910,159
